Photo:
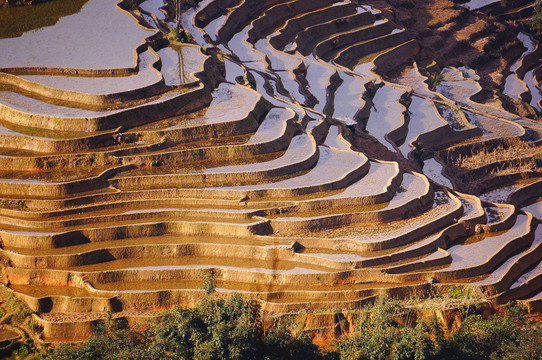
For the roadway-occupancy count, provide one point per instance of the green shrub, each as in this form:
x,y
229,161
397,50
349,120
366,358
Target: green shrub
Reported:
x,y
232,329
500,337
508,336
380,336
173,34
437,79
214,329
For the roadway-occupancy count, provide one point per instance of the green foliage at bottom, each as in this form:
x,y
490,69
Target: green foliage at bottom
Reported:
x,y
232,329
21,350
504,337
380,336
214,329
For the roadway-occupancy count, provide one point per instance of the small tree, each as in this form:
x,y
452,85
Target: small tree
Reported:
x,y
209,282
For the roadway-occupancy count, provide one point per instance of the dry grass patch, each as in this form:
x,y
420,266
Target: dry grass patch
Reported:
x,y
508,150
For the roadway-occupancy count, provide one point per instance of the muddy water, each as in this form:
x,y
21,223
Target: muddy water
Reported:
x,y
454,87
528,43
153,7
381,256
376,181
535,209
528,276
41,291
418,244
412,187
214,113
245,165
229,103
467,73
149,20
243,49
373,11
433,170
386,114
214,26
180,63
278,60
365,64
538,296
423,118
451,116
348,98
470,208
513,86
31,105
272,127
357,190
435,255
501,193
233,71
364,68
301,147
498,273
535,91
100,36
480,248
410,77
492,128
235,285
337,257
376,232
147,75
173,66
187,22
287,78
477,4
205,262
335,140
332,166
261,84
318,79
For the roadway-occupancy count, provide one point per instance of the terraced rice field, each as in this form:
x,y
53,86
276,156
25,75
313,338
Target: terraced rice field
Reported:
x,y
276,153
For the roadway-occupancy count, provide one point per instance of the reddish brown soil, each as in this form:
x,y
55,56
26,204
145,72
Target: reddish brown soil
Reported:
x,y
453,36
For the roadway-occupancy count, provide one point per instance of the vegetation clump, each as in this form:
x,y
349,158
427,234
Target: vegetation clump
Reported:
x,y
233,329
510,149
14,314
214,329
437,79
383,333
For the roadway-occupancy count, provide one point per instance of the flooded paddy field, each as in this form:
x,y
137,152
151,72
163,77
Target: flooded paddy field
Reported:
x,y
295,163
